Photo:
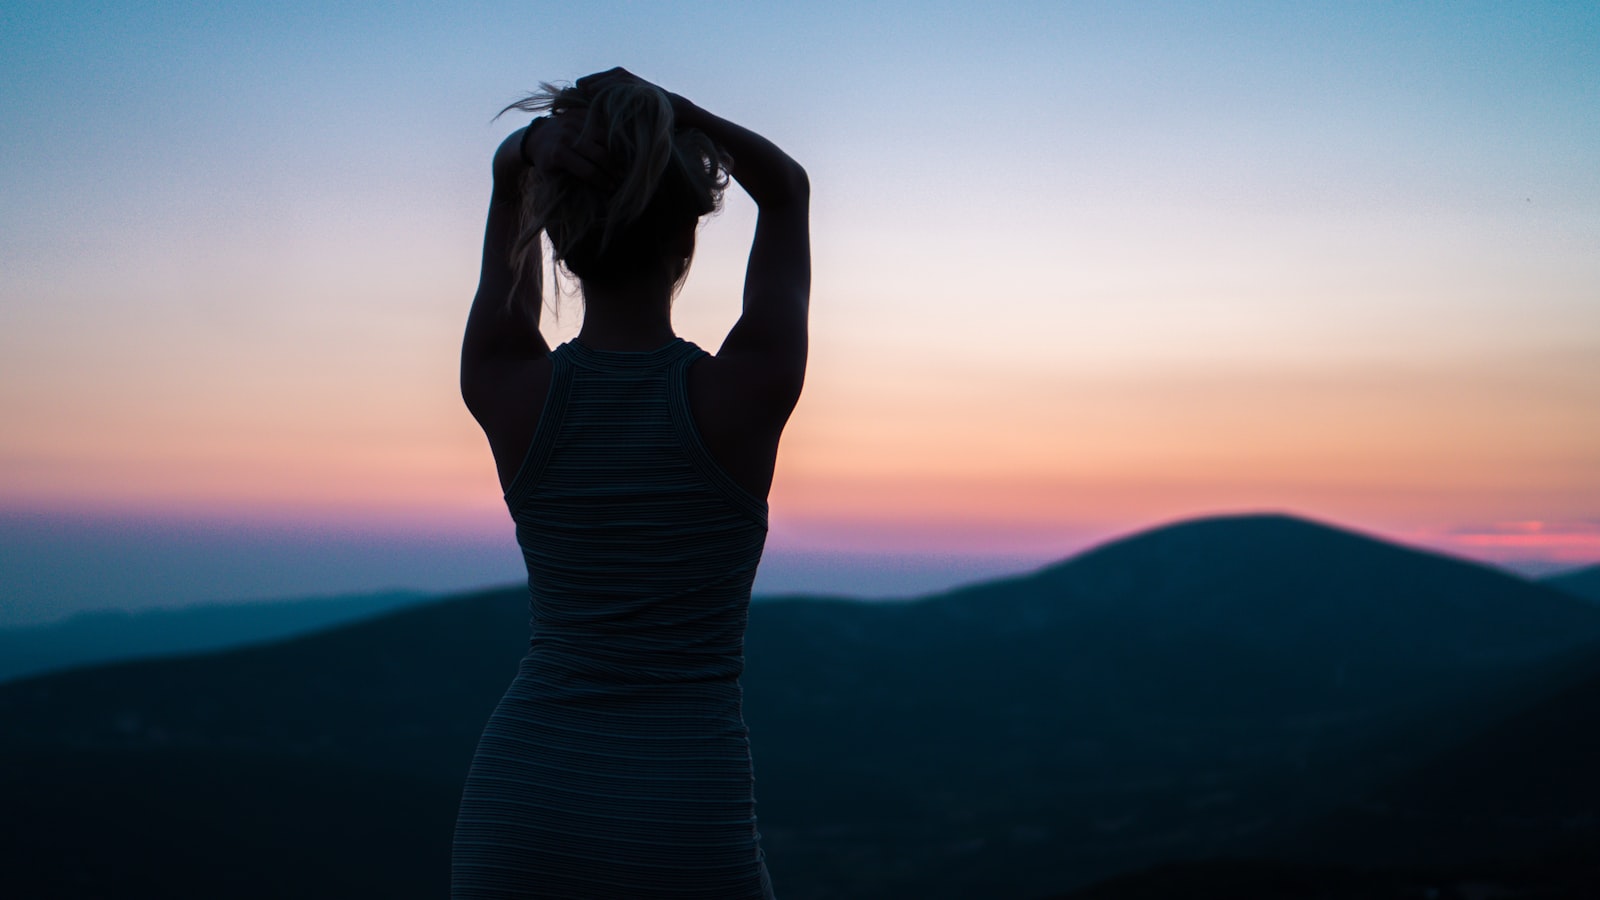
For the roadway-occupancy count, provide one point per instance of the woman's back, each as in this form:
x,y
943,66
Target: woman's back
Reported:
x,y
640,550
619,752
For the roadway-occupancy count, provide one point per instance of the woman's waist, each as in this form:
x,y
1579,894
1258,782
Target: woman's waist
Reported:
x,y
613,660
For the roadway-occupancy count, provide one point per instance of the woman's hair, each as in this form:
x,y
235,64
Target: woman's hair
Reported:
x,y
666,179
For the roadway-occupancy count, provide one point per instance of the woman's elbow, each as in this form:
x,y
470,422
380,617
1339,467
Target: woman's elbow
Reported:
x,y
799,183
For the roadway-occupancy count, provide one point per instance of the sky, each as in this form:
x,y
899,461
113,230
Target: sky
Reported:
x,y
1079,269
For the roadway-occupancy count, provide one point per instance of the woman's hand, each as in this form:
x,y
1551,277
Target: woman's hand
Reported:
x,y
619,75
593,84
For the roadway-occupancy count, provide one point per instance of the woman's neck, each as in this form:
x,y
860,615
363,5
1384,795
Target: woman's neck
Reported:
x,y
626,317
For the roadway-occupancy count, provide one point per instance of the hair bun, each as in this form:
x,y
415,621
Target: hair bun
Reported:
x,y
668,178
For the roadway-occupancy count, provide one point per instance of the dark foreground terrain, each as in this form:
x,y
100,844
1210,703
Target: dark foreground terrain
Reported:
x,y
1238,707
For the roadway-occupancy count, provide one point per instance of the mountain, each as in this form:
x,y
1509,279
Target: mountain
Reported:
x,y
1191,691
1511,811
1583,582
1525,784
1187,691
112,635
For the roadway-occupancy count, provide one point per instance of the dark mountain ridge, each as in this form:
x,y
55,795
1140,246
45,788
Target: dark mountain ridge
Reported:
x,y
1301,587
1105,688
102,636
1583,583
1186,692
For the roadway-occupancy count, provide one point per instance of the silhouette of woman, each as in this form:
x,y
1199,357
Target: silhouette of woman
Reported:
x,y
636,467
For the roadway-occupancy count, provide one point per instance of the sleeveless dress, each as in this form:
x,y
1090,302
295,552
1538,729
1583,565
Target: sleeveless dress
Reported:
x,y
617,763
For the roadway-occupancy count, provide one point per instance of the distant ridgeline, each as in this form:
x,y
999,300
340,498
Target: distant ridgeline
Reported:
x,y
1582,583
112,635
1225,707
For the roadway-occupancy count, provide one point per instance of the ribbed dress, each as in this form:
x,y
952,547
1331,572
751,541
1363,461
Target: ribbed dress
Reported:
x,y
617,763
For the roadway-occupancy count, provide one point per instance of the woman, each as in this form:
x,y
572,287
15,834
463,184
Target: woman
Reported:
x,y
636,467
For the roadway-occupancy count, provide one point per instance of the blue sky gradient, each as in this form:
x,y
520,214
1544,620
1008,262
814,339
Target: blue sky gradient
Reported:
x,y
1079,267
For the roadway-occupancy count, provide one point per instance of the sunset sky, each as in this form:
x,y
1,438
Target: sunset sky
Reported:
x,y
1080,268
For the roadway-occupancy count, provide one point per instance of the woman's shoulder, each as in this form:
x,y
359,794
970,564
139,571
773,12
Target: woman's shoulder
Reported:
x,y
740,413
508,409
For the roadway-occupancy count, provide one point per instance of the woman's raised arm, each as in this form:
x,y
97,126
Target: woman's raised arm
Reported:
x,y
503,325
502,330
771,330
767,346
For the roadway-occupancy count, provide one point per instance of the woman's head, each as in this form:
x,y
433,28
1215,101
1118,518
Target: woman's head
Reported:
x,y
639,224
